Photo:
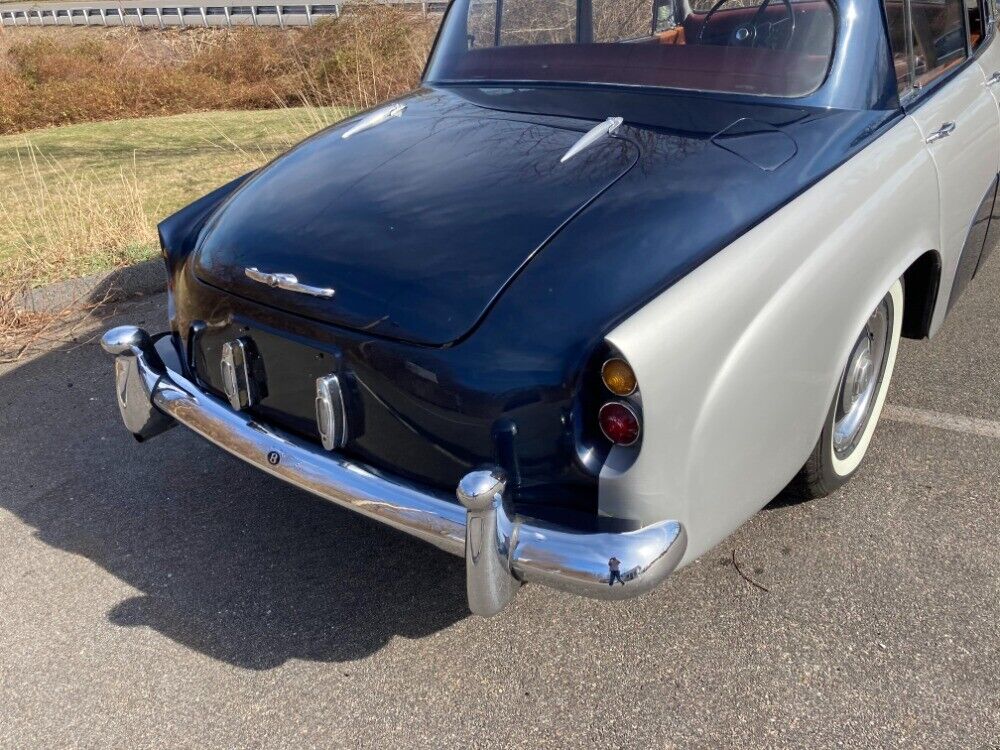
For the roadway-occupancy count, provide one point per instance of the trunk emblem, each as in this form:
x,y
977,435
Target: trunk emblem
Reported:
x,y
331,416
287,281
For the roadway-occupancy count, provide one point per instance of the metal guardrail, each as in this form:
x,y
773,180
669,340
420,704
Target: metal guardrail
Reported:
x,y
161,14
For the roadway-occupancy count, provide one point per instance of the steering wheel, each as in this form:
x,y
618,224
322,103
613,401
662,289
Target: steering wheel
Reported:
x,y
756,33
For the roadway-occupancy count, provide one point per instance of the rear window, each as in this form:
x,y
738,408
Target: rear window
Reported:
x,y
763,47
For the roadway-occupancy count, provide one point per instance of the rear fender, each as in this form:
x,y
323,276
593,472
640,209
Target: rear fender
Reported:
x,y
738,362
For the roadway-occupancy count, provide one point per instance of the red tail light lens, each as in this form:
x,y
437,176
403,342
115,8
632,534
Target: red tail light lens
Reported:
x,y
619,423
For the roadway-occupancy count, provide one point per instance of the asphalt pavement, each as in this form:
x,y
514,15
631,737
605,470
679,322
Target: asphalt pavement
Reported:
x,y
166,595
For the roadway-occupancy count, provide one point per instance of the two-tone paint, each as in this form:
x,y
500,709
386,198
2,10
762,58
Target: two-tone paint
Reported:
x,y
730,247
501,357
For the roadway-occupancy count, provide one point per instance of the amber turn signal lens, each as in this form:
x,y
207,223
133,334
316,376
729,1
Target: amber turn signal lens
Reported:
x,y
619,423
618,377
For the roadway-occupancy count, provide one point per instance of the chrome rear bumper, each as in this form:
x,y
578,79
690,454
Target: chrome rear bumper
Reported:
x,y
501,550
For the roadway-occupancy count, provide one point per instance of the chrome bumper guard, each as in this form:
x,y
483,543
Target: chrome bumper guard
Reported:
x,y
501,550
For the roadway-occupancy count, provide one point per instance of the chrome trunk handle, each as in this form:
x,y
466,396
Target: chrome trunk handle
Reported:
x,y
287,281
993,79
944,131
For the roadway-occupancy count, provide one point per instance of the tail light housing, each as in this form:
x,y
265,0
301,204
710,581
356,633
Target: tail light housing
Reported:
x,y
619,414
607,414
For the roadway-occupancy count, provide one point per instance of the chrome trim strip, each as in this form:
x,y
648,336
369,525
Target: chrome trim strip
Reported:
x,y
287,281
591,137
502,550
331,476
375,118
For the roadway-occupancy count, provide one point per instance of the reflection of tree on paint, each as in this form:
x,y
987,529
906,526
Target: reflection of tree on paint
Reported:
x,y
614,566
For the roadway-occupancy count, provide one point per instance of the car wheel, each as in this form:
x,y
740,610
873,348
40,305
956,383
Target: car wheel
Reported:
x,y
857,404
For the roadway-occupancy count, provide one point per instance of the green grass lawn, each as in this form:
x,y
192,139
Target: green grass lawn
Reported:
x,y
84,198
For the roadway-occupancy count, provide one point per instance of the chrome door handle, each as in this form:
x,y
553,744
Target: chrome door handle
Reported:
x,y
944,131
993,79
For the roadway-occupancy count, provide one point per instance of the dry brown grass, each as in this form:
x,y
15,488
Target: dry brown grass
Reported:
x,y
61,219
58,218
22,334
61,76
86,198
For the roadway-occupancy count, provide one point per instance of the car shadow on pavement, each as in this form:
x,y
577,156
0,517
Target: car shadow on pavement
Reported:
x,y
228,561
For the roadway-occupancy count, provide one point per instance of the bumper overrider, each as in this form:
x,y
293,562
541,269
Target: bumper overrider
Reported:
x,y
501,550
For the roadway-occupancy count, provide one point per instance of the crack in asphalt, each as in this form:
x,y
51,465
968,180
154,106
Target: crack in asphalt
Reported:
x,y
942,421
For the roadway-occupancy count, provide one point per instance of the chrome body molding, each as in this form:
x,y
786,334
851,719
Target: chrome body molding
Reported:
x,y
502,550
289,282
375,118
592,136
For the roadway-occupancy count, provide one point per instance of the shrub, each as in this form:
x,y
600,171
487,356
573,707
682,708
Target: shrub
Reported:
x,y
61,76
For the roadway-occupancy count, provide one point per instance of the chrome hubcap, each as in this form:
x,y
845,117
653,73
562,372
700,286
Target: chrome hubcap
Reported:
x,y
859,373
862,377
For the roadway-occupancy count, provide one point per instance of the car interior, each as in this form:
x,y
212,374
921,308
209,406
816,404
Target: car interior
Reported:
x,y
768,47
937,35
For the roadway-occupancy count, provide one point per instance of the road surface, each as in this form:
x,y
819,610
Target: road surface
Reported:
x,y
165,595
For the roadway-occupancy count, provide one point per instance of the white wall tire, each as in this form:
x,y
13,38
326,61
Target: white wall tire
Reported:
x,y
858,402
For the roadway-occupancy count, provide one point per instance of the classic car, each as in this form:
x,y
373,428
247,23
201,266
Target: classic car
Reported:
x,y
612,278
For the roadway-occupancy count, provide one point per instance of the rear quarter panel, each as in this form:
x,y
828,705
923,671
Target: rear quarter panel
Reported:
x,y
738,362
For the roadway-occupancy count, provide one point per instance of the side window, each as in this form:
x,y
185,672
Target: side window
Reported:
x,y
618,20
928,38
529,22
483,28
938,38
898,22
977,23
522,22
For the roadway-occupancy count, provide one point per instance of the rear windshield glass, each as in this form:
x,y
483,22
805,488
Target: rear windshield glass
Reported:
x,y
762,47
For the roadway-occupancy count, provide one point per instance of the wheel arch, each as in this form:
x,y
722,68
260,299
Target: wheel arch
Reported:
x,y
921,285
